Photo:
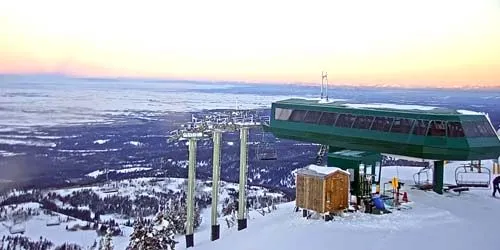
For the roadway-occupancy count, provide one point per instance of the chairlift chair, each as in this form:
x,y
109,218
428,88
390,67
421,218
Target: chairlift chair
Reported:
x,y
266,150
421,179
473,175
323,150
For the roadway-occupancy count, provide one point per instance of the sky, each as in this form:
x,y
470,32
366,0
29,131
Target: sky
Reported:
x,y
445,43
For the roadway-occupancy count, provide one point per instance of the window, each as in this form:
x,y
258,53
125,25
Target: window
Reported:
x,y
363,122
282,114
470,129
382,124
297,115
455,129
312,117
328,119
402,125
485,129
437,128
420,127
478,129
345,120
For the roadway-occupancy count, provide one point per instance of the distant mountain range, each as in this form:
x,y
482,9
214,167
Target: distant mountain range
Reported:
x,y
459,87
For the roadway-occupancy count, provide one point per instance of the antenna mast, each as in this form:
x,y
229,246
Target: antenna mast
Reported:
x,y
321,98
324,81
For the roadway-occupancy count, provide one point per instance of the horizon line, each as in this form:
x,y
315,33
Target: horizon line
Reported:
x,y
194,80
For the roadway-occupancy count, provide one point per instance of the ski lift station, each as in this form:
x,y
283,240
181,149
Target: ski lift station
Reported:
x,y
357,134
353,137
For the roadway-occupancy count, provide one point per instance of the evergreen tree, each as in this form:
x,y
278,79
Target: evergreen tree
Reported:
x,y
197,217
138,235
106,242
178,216
156,235
163,232
177,213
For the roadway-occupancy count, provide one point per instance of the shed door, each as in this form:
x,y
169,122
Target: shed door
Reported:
x,y
336,193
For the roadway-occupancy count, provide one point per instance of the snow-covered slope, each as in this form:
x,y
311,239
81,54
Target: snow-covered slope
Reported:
x,y
468,221
36,226
97,173
449,221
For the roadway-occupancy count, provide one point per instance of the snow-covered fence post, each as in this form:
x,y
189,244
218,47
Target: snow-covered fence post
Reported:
x,y
242,221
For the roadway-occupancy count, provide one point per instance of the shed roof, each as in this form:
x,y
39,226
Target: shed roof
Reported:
x,y
320,171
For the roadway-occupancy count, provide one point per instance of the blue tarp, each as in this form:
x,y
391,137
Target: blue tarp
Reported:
x,y
379,203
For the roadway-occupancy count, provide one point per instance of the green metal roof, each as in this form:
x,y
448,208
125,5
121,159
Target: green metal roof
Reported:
x,y
408,111
477,140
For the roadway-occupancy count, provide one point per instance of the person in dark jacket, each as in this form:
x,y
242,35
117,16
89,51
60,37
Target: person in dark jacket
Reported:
x,y
496,185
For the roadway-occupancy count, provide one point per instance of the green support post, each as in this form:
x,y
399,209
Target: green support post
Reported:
x,y
190,194
357,190
242,220
215,185
438,176
373,173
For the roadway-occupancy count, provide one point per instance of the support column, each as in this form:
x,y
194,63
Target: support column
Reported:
x,y
438,176
496,168
357,179
215,185
373,173
379,177
242,220
190,194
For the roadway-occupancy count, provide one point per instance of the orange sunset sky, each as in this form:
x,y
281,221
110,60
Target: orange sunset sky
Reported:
x,y
444,43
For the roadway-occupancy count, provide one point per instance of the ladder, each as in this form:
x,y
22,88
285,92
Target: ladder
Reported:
x,y
323,149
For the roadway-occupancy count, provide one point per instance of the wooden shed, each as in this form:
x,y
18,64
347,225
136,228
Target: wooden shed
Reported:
x,y
322,189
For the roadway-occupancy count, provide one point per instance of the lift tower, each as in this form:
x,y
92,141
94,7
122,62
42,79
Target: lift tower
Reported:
x,y
192,137
199,129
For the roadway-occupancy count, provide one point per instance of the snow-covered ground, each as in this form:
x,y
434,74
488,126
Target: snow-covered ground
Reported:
x,y
135,143
97,173
450,221
147,185
4,153
467,221
36,227
39,143
101,141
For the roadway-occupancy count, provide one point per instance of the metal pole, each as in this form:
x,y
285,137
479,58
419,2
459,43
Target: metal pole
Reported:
x,y
190,194
438,176
496,168
215,185
322,78
379,164
326,87
242,221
